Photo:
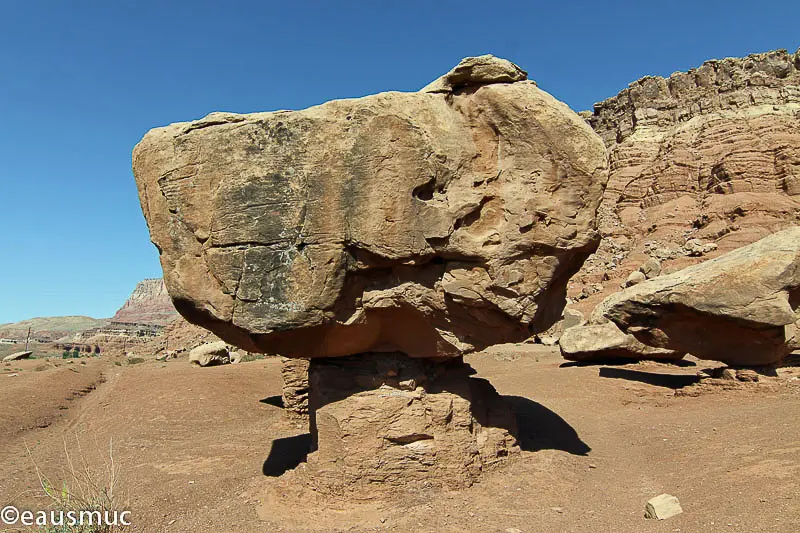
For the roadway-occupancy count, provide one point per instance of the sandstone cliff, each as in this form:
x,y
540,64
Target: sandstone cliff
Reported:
x,y
708,156
148,304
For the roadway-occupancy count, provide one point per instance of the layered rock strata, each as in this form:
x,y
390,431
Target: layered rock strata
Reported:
x,y
701,163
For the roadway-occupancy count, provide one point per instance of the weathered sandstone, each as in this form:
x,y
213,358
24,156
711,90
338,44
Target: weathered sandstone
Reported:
x,y
210,354
295,386
742,308
704,158
17,356
604,342
393,420
430,223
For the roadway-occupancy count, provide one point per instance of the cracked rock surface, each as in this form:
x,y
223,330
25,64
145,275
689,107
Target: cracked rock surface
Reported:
x,y
430,223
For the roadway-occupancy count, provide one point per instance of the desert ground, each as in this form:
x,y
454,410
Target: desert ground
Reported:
x,y
200,449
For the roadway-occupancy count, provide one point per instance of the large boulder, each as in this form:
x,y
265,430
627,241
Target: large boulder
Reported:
x,y
430,223
742,308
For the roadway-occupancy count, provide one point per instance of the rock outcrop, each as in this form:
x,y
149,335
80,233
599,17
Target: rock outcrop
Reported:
x,y
382,238
742,308
148,304
704,159
430,223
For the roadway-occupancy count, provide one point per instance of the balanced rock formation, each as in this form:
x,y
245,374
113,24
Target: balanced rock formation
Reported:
x,y
430,223
742,308
382,238
704,159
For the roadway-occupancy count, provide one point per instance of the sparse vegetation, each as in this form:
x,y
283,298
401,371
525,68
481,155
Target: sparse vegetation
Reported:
x,y
83,489
134,360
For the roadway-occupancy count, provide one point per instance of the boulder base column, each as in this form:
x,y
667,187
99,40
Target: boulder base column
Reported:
x,y
295,387
393,420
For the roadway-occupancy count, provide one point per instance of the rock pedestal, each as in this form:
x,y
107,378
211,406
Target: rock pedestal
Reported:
x,y
397,421
295,386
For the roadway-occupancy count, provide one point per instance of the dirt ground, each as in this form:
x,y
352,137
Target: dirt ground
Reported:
x,y
198,449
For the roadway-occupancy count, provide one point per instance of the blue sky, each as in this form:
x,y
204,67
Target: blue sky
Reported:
x,y
82,81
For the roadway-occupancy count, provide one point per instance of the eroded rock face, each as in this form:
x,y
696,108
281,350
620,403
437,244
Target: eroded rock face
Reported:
x,y
382,421
430,223
295,386
742,308
701,163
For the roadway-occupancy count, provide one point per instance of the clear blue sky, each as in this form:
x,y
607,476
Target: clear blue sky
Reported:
x,y
82,81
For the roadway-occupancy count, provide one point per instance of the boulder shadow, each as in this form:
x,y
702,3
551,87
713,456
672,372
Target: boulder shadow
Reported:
x,y
539,428
670,381
276,401
286,453
620,361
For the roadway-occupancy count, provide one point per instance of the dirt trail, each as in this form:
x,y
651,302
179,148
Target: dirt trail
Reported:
x,y
193,446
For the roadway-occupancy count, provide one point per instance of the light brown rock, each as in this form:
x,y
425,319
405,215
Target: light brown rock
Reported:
x,y
662,507
635,278
427,223
210,354
740,308
478,70
603,342
17,356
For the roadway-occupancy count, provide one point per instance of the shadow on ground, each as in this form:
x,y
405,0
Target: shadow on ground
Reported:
x,y
619,361
276,400
539,428
286,454
670,381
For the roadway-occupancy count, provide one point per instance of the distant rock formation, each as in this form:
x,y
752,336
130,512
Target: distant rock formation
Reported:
x,y
48,329
148,304
704,159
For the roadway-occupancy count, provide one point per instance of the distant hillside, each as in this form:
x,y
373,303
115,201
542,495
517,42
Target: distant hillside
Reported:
x,y
148,304
52,327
